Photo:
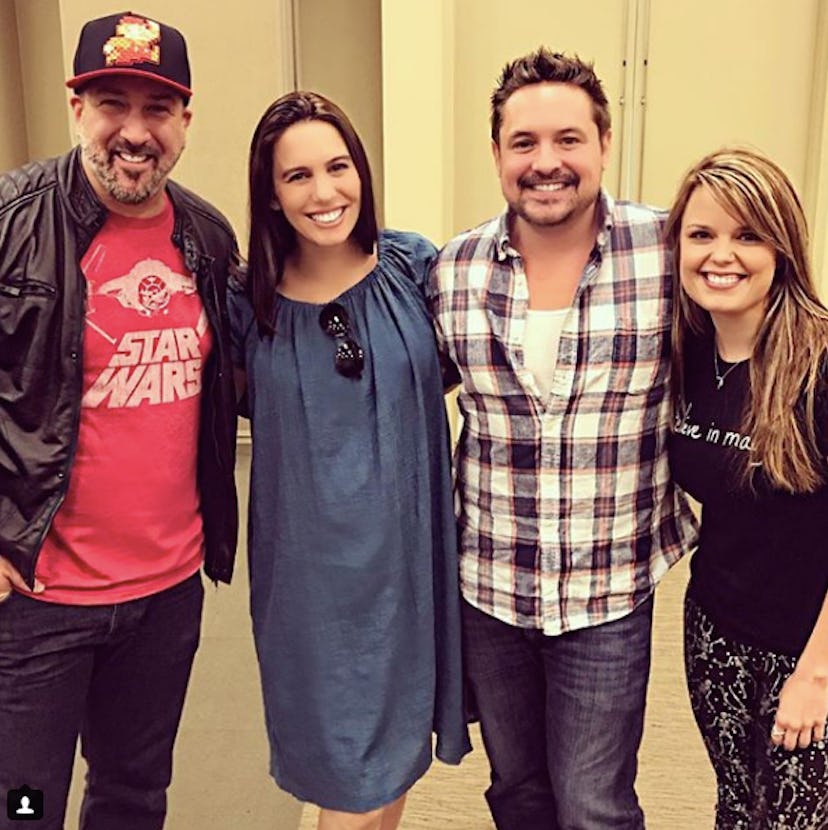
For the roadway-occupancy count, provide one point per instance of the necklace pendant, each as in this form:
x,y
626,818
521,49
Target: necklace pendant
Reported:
x,y
719,382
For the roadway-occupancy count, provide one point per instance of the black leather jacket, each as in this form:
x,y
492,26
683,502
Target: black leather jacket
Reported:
x,y
49,214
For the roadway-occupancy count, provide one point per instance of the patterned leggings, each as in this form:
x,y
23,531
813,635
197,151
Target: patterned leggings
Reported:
x,y
734,691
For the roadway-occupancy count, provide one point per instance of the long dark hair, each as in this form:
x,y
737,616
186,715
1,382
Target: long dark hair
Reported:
x,y
272,238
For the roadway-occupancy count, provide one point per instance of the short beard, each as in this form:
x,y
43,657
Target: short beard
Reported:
x,y
542,221
101,163
528,181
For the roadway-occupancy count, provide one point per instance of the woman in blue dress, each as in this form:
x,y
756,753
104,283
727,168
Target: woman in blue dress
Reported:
x,y
352,543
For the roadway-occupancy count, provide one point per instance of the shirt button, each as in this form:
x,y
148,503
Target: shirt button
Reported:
x,y
73,355
61,475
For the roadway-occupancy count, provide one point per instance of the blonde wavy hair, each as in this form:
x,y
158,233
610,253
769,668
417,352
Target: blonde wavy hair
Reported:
x,y
787,366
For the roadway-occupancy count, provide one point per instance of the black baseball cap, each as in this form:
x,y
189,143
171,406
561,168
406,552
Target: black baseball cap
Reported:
x,y
132,44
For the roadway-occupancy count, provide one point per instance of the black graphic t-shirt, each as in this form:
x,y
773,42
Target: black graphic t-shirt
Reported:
x,y
761,568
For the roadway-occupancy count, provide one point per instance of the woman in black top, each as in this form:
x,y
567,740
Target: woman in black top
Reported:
x,y
750,442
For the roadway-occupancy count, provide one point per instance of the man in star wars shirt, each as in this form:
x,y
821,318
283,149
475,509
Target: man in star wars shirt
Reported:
x,y
117,435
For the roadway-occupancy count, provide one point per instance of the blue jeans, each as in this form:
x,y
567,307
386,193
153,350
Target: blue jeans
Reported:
x,y
114,674
561,719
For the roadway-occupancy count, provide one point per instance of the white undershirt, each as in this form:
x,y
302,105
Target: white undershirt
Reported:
x,y
540,344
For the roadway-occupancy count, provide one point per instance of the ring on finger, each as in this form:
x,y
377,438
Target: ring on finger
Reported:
x,y
777,733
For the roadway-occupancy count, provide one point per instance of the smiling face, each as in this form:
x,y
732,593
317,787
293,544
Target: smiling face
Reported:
x,y
550,156
316,184
132,132
724,266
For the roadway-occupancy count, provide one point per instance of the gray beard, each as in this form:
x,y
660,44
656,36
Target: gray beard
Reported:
x,y
102,165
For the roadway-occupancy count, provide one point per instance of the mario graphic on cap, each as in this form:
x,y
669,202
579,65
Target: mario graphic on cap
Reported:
x,y
136,40
129,43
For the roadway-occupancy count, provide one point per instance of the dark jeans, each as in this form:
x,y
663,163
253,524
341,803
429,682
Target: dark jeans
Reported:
x,y
114,674
562,719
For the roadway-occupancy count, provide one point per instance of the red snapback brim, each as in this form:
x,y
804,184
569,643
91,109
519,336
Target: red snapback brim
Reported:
x,y
80,80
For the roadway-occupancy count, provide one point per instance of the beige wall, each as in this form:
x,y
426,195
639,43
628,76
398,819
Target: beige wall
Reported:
x,y
418,138
43,76
751,89
339,55
816,179
13,135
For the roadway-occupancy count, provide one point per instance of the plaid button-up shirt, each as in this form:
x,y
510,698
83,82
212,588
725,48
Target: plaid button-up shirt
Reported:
x,y
567,513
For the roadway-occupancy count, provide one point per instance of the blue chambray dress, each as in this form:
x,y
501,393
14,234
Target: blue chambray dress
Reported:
x,y
352,541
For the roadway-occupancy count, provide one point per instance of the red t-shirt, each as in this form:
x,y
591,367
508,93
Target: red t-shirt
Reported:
x,y
130,524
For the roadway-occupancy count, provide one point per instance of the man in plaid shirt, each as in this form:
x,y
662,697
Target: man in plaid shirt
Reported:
x,y
557,316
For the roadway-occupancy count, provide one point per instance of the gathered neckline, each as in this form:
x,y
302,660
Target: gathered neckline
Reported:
x,y
359,286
